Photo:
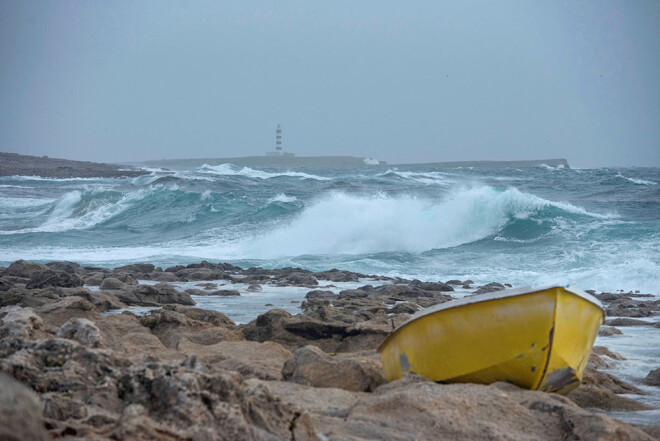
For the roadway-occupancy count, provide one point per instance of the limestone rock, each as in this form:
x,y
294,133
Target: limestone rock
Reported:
x,y
653,378
608,331
81,330
313,367
20,413
24,269
251,359
21,323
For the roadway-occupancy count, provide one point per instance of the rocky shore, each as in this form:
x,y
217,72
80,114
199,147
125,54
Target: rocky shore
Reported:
x,y
72,369
13,164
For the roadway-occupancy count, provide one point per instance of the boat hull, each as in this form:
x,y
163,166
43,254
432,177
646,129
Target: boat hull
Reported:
x,y
538,340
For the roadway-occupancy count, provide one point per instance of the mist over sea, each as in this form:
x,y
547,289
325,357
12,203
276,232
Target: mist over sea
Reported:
x,y
592,228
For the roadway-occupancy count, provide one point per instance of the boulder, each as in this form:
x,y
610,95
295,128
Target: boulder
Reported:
x,y
627,322
111,284
20,413
81,330
101,300
254,288
57,313
249,358
335,275
313,367
490,287
21,323
204,406
318,294
653,378
136,268
298,279
148,295
67,267
223,293
5,285
48,277
24,269
608,331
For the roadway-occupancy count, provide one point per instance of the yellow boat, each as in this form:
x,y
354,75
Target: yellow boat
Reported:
x,y
539,339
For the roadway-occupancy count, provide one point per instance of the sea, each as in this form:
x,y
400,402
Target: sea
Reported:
x,y
591,228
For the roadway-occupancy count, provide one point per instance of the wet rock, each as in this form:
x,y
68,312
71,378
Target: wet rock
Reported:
x,y
298,279
224,293
162,276
21,323
405,308
249,358
627,322
196,292
24,269
608,331
20,413
101,300
81,330
254,288
294,331
151,295
627,307
434,286
454,282
208,286
313,367
67,267
490,287
335,275
46,278
653,378
318,294
136,268
111,284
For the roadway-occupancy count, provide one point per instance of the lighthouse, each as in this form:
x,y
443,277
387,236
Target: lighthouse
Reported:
x,y
278,139
278,145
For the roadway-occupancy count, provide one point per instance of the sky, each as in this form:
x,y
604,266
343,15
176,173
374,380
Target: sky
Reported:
x,y
398,81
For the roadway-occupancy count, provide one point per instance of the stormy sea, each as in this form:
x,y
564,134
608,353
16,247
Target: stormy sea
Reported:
x,y
596,229
591,228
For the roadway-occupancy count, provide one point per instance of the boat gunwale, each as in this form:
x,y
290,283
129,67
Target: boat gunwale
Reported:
x,y
495,295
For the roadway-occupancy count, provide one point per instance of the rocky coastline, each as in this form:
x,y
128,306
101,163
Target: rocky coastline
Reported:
x,y
72,369
13,164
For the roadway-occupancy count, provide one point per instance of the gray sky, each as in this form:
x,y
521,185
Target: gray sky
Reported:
x,y
398,81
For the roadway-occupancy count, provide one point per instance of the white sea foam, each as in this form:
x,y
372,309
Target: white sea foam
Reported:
x,y
428,178
349,224
636,181
207,195
63,217
282,198
232,170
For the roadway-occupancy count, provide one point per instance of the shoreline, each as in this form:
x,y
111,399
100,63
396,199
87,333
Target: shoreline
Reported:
x,y
95,372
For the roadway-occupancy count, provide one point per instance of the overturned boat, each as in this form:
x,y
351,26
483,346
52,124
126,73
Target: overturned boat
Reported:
x,y
538,339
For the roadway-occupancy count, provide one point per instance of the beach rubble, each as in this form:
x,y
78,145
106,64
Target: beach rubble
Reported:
x,y
70,371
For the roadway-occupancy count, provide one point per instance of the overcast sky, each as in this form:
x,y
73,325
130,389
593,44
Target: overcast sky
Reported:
x,y
398,81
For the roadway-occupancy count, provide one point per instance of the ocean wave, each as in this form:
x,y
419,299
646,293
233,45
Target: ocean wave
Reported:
x,y
69,213
232,170
428,178
636,181
350,224
282,198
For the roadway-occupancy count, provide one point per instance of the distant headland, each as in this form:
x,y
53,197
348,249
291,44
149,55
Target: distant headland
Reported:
x,y
13,164
341,162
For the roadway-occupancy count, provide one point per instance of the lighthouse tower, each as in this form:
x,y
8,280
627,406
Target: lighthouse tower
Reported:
x,y
278,145
278,139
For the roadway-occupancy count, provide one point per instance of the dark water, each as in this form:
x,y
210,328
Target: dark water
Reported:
x,y
593,228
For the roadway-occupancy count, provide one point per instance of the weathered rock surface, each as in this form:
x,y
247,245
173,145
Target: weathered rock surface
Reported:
x,y
20,413
653,378
608,331
251,359
313,367
81,330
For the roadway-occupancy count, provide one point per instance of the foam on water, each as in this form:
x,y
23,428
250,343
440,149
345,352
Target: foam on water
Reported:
x,y
636,181
232,170
282,198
